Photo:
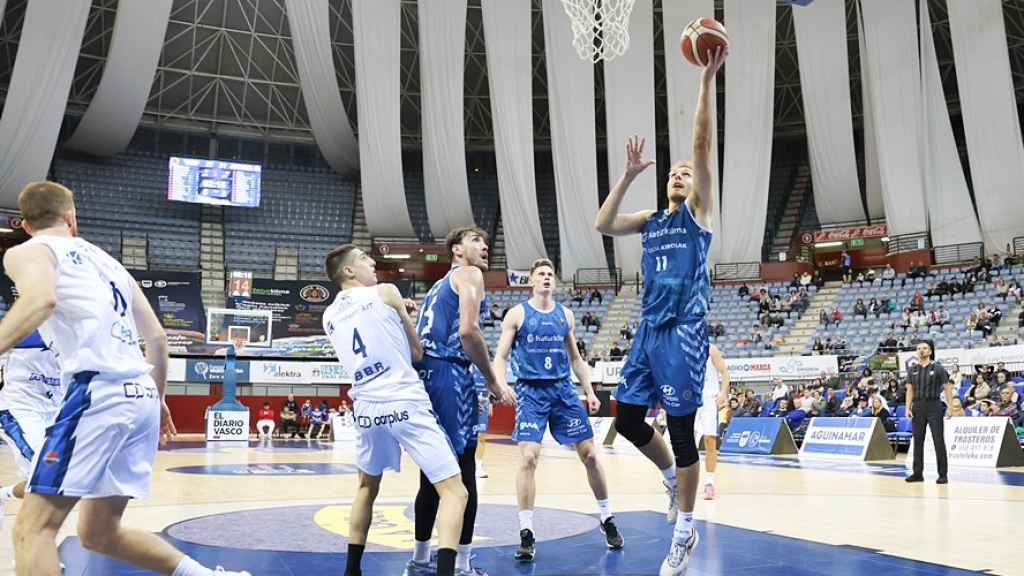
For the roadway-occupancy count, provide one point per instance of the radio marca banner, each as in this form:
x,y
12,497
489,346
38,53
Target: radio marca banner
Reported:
x,y
967,358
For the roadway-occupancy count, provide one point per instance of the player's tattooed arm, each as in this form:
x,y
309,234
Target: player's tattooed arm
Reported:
x,y
609,221
509,327
33,269
392,297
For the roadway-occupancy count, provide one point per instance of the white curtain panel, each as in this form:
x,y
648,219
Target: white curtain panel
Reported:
x,y
951,216
376,30
629,110
990,118
892,67
309,22
825,83
749,106
3,6
37,95
508,33
573,141
442,43
114,112
683,80
872,176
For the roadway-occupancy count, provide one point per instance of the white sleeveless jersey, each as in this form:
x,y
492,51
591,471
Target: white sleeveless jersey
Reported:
x,y
32,381
371,345
92,327
712,382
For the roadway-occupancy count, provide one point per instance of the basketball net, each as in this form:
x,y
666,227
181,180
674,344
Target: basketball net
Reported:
x,y
600,28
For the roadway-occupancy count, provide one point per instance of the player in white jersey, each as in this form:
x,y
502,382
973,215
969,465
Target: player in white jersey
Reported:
x,y
29,401
101,447
715,396
375,340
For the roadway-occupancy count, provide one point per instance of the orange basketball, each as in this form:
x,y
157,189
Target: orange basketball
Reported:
x,y
701,36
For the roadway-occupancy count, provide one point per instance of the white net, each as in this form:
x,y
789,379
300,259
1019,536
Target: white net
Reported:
x,y
600,28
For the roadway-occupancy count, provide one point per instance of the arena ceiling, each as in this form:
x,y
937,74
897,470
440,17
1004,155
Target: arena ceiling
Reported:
x,y
228,66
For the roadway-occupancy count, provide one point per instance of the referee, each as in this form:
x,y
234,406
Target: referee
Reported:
x,y
926,380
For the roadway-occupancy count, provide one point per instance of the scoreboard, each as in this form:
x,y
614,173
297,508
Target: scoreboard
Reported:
x,y
214,182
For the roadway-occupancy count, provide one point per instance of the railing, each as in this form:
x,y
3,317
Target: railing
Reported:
x,y
738,271
1018,245
908,242
591,277
954,253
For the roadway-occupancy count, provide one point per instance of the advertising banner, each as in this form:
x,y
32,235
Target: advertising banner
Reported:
x,y
967,358
843,234
517,277
203,370
747,369
298,308
858,439
976,443
758,436
224,425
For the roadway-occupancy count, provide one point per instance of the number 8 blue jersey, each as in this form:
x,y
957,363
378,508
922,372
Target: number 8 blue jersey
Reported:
x,y
539,351
675,267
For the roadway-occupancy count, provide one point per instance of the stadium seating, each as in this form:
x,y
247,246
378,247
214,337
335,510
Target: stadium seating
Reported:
x,y
126,197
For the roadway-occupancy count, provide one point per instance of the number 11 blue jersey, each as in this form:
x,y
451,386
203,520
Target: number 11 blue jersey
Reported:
x,y
675,267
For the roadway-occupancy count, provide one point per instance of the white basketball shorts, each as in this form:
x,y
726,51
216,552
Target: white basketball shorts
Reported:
x,y
383,429
103,441
23,431
707,418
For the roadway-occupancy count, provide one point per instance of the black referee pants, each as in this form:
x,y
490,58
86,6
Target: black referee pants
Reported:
x,y
929,413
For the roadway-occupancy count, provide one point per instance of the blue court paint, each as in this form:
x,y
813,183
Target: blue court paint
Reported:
x,y
895,469
275,469
723,550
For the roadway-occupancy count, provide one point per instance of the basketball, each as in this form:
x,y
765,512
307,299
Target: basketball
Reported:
x,y
701,36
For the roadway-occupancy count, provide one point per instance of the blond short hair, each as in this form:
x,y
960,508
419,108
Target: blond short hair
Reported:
x,y
44,204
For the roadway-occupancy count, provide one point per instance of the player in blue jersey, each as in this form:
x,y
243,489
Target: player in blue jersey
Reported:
x,y
539,335
449,329
667,361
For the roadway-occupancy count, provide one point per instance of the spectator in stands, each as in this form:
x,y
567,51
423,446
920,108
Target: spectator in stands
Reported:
x,y
595,294
871,275
780,389
823,317
306,414
889,274
802,302
859,309
781,408
615,354
1006,405
917,302
493,316
997,262
847,277
860,278
978,391
829,346
764,303
290,404
874,307
1014,291
956,409
582,347
751,403
755,334
1001,369
1003,383
743,291
805,402
863,409
818,280
818,347
832,402
577,297
878,410
904,343
736,410
888,346
943,316
845,261
289,419
265,422
626,332
905,319
1002,288
795,282
994,315
847,406
867,379
891,392
806,279
716,330
888,306
919,321
837,316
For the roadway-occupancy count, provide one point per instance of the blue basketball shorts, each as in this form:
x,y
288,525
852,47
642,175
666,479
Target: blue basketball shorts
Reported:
x,y
555,405
666,365
453,398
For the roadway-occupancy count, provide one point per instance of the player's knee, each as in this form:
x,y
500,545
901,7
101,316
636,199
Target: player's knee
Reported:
x,y
684,444
96,539
453,490
630,423
528,461
588,455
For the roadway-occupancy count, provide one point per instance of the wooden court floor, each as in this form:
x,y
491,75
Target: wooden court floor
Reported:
x,y
284,505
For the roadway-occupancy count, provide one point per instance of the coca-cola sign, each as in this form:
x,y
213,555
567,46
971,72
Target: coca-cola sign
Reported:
x,y
843,234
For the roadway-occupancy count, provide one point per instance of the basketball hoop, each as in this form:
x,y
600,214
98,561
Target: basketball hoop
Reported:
x,y
600,28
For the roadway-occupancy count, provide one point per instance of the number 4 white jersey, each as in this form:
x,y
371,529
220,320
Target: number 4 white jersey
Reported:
x,y
371,345
92,327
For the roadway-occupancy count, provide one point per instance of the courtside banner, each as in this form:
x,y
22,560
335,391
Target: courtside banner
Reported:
x,y
746,435
858,439
966,358
748,369
227,425
976,443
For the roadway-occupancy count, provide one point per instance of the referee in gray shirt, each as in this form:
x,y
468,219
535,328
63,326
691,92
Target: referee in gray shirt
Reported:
x,y
925,382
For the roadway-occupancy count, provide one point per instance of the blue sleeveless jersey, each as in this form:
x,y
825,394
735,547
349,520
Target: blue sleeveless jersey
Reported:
x,y
675,267
438,323
539,348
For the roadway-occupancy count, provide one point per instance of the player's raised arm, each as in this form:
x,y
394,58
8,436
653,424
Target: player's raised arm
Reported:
x,y
609,221
700,200
392,297
469,283
509,327
579,365
33,269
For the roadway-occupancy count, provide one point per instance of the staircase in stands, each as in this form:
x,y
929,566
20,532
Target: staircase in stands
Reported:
x,y
790,223
497,257
622,310
804,329
360,233
211,255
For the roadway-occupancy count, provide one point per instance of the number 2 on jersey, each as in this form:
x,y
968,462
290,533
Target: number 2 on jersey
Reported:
x,y
357,343
660,263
